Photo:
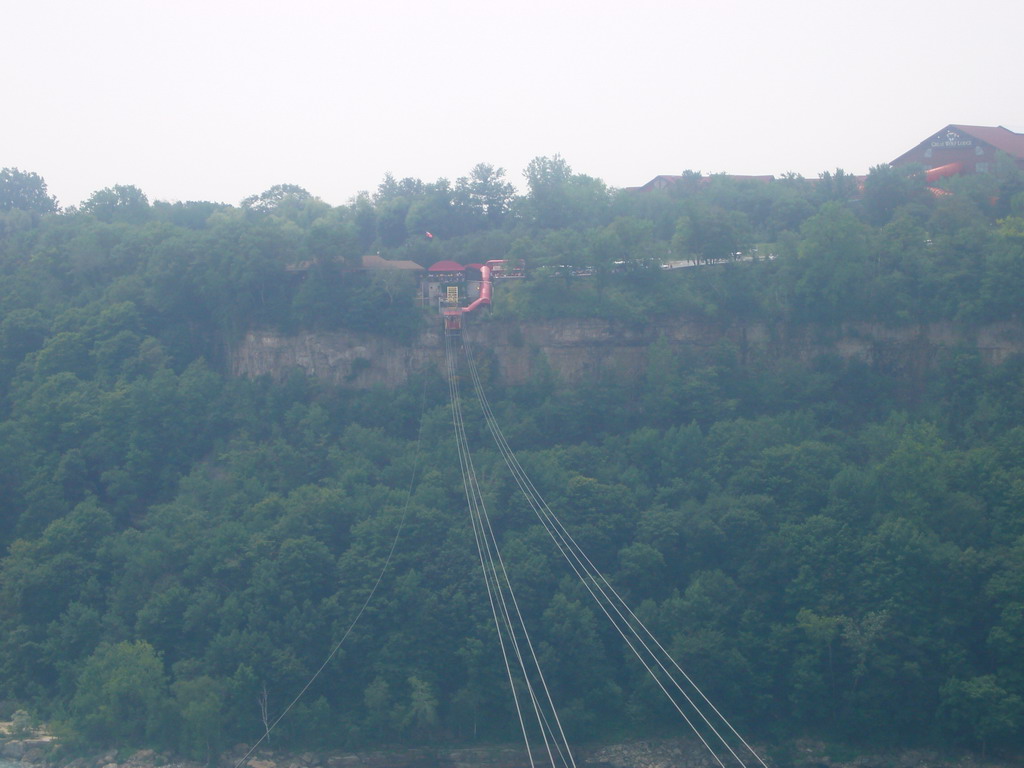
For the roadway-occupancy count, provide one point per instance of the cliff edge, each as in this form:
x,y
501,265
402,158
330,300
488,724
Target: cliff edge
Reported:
x,y
596,350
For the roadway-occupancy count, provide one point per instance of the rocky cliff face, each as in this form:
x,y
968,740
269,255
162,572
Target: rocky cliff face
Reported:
x,y
596,350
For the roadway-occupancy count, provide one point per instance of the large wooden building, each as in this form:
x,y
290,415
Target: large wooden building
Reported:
x,y
965,149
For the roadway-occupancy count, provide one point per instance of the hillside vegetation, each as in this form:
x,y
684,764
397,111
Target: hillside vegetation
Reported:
x,y
827,552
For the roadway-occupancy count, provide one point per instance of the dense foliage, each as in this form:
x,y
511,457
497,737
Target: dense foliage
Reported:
x,y
829,550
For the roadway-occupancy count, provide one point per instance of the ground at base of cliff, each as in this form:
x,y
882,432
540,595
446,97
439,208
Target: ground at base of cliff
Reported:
x,y
640,754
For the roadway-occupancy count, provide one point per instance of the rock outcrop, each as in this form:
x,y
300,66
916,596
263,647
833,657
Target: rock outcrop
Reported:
x,y
595,350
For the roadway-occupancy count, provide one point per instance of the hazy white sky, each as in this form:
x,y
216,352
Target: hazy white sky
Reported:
x,y
220,99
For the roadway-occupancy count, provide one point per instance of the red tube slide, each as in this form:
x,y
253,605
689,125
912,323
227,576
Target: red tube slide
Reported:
x,y
485,289
942,171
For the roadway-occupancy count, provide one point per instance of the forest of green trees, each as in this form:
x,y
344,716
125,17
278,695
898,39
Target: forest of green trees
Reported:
x,y
828,551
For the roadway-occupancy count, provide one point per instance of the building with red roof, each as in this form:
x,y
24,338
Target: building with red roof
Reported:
x,y
444,281
965,148
444,267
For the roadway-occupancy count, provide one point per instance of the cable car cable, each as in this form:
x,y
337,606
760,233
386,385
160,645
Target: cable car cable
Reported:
x,y
573,552
498,585
497,579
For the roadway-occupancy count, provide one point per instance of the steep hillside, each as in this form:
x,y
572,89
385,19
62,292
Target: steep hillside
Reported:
x,y
802,464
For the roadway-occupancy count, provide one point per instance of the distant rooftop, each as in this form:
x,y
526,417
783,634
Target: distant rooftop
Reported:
x,y
938,149
371,261
967,148
999,137
376,261
446,266
666,181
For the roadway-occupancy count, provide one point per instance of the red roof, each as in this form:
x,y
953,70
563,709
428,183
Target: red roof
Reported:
x,y
999,137
446,266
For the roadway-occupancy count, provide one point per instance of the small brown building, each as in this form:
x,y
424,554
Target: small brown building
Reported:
x,y
971,147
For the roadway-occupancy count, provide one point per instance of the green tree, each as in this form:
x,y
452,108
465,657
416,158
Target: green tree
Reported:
x,y
981,709
832,268
288,201
379,707
815,690
584,674
121,203
421,717
201,706
24,191
121,697
836,186
559,198
887,188
332,238
486,193
1003,282
710,233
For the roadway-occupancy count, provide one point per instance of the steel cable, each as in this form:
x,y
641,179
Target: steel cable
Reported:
x,y
592,579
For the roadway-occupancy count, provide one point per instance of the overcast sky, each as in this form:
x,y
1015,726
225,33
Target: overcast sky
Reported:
x,y
218,100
